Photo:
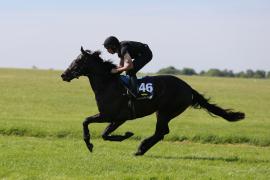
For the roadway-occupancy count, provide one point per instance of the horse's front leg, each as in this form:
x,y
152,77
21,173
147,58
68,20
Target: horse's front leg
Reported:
x,y
112,127
86,133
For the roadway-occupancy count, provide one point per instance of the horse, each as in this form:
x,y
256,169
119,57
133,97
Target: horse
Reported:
x,y
172,96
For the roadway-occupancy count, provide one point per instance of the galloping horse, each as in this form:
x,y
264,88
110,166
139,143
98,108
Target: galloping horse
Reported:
x,y
172,96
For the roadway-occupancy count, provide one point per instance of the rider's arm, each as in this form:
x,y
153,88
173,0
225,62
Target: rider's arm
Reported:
x,y
121,64
127,63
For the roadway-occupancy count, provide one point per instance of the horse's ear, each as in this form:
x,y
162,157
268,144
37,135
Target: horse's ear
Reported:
x,y
83,51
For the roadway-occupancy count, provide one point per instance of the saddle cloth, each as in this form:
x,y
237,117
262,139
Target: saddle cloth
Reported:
x,y
144,85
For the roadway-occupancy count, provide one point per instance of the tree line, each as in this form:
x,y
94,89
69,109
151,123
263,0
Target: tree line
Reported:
x,y
261,74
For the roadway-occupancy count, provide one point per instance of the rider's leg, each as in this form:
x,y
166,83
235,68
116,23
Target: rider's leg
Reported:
x,y
138,64
133,82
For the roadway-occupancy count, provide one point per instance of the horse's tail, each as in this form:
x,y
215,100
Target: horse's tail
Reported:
x,y
199,101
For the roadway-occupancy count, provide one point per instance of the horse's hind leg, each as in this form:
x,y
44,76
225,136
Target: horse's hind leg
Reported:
x,y
112,127
162,128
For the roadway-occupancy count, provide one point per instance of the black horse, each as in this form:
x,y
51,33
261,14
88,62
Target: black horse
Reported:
x,y
171,97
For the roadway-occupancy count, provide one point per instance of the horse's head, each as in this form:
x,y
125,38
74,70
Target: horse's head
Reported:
x,y
86,64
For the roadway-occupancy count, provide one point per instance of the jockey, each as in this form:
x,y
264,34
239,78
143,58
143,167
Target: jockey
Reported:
x,y
128,50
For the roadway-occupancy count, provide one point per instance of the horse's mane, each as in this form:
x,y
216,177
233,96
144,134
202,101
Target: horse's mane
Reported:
x,y
108,64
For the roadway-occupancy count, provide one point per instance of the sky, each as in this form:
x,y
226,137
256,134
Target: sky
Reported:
x,y
223,34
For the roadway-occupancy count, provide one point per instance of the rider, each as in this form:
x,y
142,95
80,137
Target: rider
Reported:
x,y
128,50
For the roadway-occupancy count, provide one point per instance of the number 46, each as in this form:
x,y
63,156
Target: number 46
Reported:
x,y
146,87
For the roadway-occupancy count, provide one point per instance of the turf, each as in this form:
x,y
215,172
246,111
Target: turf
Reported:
x,y
43,158
41,130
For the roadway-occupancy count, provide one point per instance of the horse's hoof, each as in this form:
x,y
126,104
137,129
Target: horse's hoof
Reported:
x,y
138,153
90,146
129,134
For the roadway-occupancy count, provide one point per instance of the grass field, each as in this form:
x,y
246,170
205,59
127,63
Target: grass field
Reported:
x,y
41,127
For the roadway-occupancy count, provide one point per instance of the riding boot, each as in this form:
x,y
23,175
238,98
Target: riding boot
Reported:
x,y
133,83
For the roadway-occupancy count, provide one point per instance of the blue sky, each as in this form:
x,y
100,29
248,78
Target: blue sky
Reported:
x,y
199,34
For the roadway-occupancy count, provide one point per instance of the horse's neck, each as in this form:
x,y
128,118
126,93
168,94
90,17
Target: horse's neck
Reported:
x,y
99,83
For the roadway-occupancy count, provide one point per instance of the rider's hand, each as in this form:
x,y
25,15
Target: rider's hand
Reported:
x,y
114,71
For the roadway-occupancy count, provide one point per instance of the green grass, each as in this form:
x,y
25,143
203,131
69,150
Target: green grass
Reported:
x,y
41,130
43,158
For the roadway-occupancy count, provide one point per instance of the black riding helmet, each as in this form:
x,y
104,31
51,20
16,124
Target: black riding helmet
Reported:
x,y
111,42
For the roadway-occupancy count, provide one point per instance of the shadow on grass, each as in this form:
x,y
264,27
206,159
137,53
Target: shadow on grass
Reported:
x,y
201,158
